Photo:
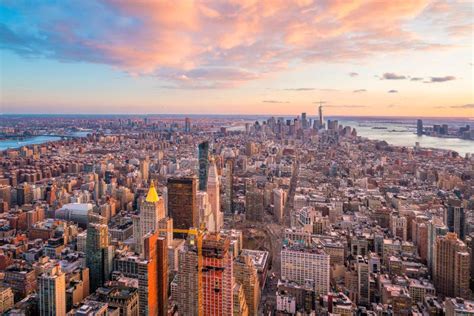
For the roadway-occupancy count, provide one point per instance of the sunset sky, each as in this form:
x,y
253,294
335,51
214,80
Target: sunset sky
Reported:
x,y
401,58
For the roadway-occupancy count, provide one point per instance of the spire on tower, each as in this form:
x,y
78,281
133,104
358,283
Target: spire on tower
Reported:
x,y
152,195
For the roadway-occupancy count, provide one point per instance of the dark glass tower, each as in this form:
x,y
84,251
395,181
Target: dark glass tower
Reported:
x,y
182,205
203,165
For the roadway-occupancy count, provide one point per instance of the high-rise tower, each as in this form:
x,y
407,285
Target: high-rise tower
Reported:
x,y
217,277
213,193
182,206
229,186
153,276
320,116
96,253
455,218
203,164
246,274
452,269
419,127
52,292
151,212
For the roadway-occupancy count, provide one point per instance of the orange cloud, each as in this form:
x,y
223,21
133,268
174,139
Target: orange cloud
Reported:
x,y
171,39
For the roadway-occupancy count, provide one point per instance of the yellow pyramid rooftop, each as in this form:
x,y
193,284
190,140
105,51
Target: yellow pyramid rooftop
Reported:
x,y
152,195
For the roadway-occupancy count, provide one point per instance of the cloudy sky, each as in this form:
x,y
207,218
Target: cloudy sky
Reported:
x,y
361,57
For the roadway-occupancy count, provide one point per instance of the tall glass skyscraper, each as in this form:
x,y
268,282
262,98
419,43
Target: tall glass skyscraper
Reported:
x,y
203,165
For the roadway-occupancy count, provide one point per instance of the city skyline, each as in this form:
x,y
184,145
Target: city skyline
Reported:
x,y
364,58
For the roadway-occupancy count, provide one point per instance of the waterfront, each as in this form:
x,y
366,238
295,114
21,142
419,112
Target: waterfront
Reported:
x,y
395,131
403,133
17,143
13,143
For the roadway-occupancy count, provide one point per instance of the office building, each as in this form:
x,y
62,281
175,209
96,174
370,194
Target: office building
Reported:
x,y
152,273
217,283
363,281
419,127
52,292
279,198
436,228
229,187
97,253
152,212
455,218
245,273
203,165
452,269
254,203
182,205
6,299
399,226
240,305
300,264
187,125
214,197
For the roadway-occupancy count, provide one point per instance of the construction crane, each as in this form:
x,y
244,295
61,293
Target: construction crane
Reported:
x,y
199,234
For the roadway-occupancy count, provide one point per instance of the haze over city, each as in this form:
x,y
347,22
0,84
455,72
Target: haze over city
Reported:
x,y
370,58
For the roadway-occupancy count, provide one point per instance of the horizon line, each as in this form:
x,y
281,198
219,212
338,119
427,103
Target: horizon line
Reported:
x,y
230,114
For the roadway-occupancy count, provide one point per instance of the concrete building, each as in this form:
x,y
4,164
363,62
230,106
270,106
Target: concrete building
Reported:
x,y
52,292
299,264
279,199
363,281
151,212
245,273
214,196
253,203
452,269
217,282
6,299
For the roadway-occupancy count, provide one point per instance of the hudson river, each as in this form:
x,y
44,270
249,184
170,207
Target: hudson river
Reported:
x,y
402,132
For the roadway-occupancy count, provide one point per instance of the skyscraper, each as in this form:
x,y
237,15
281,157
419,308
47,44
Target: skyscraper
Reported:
x,y
245,273
452,269
279,204
182,206
144,169
419,127
217,277
320,116
213,193
203,164
253,202
153,276
188,291
187,125
52,292
304,120
435,228
455,218
363,281
229,186
162,274
96,253
151,212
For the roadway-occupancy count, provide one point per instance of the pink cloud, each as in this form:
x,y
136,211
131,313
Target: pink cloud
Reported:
x,y
225,42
